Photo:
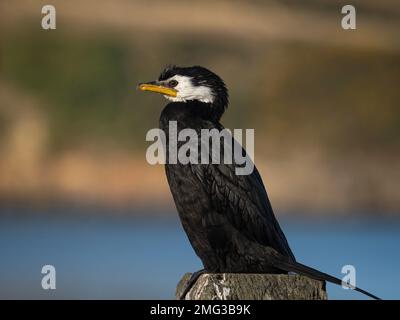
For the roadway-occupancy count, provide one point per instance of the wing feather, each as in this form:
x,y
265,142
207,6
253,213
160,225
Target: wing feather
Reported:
x,y
243,201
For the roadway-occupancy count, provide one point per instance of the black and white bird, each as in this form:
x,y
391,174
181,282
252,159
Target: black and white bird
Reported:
x,y
228,218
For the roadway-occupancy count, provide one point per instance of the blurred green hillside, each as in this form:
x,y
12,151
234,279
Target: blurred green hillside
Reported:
x,y
341,98
305,85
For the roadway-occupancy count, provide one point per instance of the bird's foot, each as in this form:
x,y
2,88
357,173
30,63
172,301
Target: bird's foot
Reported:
x,y
191,282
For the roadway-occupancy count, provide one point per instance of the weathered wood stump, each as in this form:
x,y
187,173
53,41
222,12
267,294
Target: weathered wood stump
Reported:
x,y
241,286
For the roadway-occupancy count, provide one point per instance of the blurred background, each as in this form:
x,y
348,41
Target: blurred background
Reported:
x,y
76,191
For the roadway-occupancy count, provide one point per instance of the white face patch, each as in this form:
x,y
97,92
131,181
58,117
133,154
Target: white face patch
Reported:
x,y
187,91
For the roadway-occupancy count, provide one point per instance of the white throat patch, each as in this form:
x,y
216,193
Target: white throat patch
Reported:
x,y
186,91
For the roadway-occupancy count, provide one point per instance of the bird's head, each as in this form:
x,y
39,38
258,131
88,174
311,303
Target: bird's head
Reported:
x,y
186,84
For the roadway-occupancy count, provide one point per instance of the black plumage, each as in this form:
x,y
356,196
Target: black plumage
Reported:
x,y
223,214
228,218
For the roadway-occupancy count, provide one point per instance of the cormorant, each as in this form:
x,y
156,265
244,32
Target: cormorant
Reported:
x,y
228,218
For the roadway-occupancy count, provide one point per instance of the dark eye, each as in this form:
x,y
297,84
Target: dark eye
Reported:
x,y
173,83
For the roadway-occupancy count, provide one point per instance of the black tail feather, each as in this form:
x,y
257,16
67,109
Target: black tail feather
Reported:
x,y
317,275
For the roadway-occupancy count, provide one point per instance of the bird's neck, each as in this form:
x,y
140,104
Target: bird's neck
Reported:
x,y
207,111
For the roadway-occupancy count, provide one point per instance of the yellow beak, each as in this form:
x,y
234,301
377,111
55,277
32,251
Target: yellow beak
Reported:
x,y
159,89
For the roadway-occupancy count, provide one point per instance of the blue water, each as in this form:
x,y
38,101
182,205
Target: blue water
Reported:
x,y
143,258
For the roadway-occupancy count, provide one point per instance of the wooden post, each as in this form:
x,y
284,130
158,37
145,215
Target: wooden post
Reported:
x,y
242,286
